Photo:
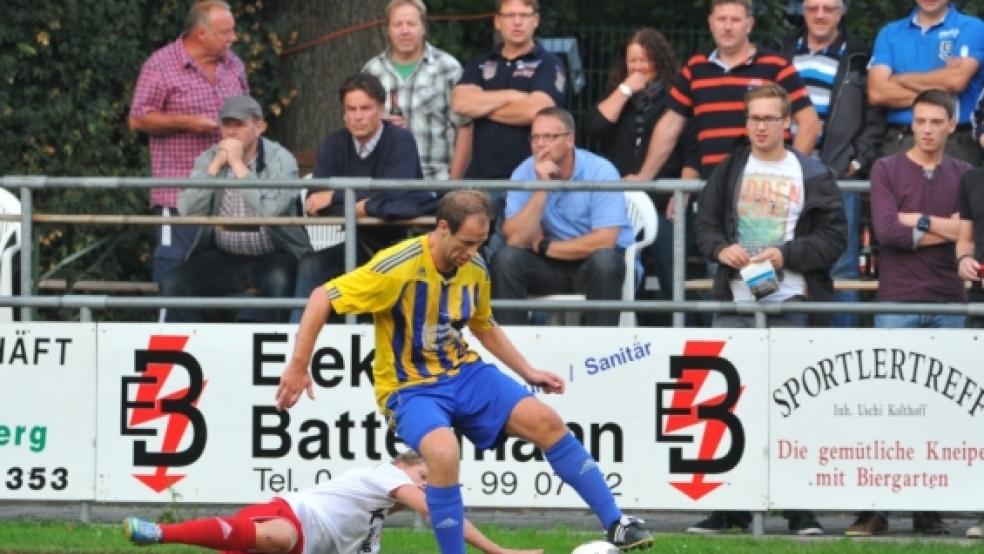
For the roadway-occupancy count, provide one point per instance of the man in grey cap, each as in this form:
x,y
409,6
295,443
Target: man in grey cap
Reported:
x,y
240,259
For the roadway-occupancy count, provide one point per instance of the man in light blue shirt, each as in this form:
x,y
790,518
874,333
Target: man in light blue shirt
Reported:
x,y
935,47
562,241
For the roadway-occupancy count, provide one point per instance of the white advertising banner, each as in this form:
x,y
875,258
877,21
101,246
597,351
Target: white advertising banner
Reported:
x,y
876,419
186,413
676,418
693,438
47,411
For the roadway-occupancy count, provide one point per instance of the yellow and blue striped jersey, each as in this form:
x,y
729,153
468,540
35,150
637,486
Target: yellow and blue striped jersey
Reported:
x,y
418,313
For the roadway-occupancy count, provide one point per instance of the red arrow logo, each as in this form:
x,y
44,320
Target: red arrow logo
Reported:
x,y
683,398
160,480
176,425
696,488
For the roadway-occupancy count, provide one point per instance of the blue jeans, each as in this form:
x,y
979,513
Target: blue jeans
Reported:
x,y
172,245
919,321
742,321
212,272
519,273
846,267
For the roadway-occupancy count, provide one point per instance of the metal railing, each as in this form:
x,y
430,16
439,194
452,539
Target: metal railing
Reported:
x,y
678,305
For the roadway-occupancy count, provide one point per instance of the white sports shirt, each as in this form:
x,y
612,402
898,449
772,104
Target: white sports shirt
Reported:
x,y
346,515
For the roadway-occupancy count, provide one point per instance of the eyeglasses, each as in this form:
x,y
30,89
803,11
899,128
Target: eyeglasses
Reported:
x,y
517,15
756,120
547,137
825,9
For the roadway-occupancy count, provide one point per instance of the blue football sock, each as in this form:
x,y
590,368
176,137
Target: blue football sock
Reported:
x,y
578,469
447,514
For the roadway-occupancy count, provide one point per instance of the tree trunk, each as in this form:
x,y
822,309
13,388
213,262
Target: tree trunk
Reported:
x,y
317,71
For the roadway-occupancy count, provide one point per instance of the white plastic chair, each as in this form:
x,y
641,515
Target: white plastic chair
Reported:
x,y
642,215
322,236
10,244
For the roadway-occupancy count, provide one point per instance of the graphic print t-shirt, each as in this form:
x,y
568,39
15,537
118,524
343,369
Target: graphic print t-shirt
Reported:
x,y
770,202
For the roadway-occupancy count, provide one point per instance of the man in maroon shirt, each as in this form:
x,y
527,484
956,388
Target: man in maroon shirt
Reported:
x,y
176,101
914,211
915,214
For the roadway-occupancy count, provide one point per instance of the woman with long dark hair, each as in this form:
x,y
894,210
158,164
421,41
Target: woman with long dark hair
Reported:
x,y
639,93
639,85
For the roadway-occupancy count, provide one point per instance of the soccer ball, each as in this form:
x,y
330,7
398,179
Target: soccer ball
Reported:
x,y
596,547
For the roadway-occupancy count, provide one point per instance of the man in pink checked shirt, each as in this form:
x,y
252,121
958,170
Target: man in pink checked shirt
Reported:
x,y
176,102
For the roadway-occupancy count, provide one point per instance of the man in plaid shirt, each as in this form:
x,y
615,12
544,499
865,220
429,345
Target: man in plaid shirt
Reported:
x,y
176,102
418,78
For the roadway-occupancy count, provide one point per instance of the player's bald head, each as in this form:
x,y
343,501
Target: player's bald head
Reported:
x,y
456,206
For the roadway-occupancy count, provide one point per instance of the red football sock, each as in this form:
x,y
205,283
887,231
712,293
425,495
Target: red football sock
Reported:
x,y
219,533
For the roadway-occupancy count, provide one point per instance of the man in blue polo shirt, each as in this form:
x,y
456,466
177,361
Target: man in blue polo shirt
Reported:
x,y
935,47
562,241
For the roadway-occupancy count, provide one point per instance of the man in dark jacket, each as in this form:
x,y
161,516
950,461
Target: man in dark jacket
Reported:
x,y
769,203
769,207
367,146
833,65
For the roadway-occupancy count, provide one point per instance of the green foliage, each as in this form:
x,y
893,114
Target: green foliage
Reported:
x,y
68,70
463,39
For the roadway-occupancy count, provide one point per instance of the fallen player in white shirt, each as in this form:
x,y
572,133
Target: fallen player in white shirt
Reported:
x,y
343,516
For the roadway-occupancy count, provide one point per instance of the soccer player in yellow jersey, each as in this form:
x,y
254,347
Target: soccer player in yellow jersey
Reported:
x,y
422,293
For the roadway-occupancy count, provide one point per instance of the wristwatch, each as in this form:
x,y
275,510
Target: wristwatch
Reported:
x,y
624,89
923,223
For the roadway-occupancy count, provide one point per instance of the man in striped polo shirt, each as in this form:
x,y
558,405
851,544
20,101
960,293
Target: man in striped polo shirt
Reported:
x,y
833,65
711,87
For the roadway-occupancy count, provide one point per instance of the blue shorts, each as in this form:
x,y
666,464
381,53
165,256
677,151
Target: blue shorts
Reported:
x,y
477,403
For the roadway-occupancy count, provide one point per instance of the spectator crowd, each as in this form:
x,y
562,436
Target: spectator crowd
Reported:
x,y
770,128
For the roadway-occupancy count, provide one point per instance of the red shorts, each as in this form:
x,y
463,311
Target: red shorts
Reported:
x,y
275,509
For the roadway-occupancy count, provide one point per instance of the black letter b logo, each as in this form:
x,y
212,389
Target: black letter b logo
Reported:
x,y
720,412
183,407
